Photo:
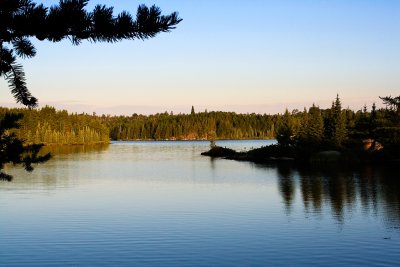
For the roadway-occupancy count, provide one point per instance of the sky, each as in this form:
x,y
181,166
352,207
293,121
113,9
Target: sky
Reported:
x,y
257,56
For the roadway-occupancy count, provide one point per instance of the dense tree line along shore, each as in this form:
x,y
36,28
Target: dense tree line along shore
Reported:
x,y
313,135
333,135
194,126
332,127
48,126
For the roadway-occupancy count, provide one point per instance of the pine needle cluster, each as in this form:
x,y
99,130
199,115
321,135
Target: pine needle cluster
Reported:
x,y
24,19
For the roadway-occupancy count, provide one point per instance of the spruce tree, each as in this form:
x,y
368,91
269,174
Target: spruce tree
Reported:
x,y
311,131
285,131
315,125
304,126
339,124
335,126
329,124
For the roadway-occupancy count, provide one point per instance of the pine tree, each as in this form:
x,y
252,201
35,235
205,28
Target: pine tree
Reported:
x,y
23,19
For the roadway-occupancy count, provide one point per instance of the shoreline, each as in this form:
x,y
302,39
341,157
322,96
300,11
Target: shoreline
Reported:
x,y
274,154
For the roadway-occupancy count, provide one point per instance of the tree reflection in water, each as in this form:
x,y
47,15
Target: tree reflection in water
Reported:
x,y
286,185
49,174
375,189
74,149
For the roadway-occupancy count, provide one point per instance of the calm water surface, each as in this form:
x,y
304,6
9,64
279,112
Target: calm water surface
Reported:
x,y
162,203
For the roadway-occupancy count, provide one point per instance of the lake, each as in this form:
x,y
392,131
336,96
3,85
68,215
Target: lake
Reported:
x,y
163,204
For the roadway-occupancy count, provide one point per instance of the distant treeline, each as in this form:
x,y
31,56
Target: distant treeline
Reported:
x,y
194,126
311,126
48,126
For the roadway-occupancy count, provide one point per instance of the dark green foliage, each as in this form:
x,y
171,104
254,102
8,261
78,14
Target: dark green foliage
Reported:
x,y
335,125
302,134
333,136
286,132
49,126
13,150
312,128
304,125
316,125
340,126
197,126
386,123
301,129
23,19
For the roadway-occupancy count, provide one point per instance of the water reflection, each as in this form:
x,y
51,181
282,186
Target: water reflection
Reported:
x,y
375,189
162,203
61,171
74,149
286,185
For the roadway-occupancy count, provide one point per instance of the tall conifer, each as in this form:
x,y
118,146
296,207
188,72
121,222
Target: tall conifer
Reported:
x,y
316,125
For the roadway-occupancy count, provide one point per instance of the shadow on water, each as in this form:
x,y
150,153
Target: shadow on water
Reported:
x,y
374,189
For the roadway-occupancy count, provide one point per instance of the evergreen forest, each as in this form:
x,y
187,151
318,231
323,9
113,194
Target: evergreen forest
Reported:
x,y
334,127
333,135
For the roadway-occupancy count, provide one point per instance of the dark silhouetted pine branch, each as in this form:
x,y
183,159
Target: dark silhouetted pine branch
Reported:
x,y
13,150
23,19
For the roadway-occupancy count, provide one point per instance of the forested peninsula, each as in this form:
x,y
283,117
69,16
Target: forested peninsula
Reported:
x,y
335,135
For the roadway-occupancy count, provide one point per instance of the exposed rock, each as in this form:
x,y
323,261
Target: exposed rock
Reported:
x,y
371,145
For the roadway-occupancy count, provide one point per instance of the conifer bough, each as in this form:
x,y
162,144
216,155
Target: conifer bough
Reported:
x,y
22,19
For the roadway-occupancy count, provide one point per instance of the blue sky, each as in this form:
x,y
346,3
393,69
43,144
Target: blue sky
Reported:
x,y
245,56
